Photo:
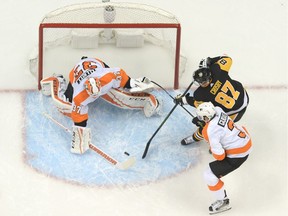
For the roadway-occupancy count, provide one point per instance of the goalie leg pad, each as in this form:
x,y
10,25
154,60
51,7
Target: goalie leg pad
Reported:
x,y
126,100
56,86
152,106
81,138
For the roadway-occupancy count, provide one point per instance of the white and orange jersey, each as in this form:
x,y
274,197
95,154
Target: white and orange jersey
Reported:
x,y
92,68
226,138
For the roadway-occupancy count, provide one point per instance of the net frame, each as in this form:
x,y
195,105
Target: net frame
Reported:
x,y
170,23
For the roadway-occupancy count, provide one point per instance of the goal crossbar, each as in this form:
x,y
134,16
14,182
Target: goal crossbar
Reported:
x,y
176,26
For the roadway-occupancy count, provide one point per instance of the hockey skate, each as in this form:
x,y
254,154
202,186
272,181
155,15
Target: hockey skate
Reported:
x,y
219,206
188,140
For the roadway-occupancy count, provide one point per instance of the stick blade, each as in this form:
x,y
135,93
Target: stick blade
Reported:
x,y
126,164
147,146
144,154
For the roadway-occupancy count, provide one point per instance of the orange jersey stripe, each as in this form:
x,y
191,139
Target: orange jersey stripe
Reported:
x,y
107,78
240,150
76,117
79,98
216,187
111,76
219,157
124,79
204,132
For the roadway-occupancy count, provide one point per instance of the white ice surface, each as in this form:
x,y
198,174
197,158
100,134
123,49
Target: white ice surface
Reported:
x,y
254,33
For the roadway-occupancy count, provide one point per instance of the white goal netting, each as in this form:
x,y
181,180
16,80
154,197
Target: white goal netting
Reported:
x,y
141,39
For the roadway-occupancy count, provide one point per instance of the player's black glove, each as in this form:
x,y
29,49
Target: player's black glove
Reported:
x,y
187,99
179,100
198,123
205,63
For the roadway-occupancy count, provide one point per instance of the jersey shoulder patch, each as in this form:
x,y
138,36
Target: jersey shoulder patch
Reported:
x,y
225,63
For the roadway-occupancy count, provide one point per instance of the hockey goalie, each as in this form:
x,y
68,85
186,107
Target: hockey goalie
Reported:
x,y
90,79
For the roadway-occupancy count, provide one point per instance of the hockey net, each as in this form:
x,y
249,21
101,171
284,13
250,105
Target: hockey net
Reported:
x,y
141,39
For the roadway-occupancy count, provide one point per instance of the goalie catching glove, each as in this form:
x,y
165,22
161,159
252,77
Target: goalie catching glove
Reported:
x,y
142,84
56,87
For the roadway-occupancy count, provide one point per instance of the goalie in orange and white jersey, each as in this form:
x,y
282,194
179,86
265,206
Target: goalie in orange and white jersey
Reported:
x,y
230,146
90,79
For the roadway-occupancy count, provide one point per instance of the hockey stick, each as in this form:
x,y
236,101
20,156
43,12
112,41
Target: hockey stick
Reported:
x,y
148,143
172,97
122,166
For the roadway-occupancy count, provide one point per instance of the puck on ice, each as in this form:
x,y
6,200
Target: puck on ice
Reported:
x,y
126,153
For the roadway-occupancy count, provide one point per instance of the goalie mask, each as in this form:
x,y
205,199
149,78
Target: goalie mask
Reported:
x,y
93,87
205,111
202,76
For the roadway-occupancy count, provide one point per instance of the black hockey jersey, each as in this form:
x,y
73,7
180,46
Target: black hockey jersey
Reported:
x,y
222,91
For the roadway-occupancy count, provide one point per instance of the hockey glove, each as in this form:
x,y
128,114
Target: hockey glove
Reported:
x,y
205,63
179,100
198,122
183,100
142,84
189,99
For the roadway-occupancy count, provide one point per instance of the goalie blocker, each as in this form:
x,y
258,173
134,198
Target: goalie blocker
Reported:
x,y
136,98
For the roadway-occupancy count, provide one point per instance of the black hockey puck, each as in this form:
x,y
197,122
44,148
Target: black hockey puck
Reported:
x,y
126,153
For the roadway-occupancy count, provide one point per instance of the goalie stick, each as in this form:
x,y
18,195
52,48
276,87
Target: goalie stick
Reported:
x,y
172,97
122,166
148,143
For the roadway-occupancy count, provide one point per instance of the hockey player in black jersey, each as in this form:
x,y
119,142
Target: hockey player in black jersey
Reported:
x,y
215,85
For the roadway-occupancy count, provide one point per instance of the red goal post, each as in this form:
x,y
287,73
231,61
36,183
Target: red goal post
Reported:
x,y
122,27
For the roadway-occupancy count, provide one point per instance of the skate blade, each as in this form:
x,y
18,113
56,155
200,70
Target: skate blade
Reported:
x,y
219,211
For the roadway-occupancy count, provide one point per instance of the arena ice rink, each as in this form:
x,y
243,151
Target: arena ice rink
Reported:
x,y
253,33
